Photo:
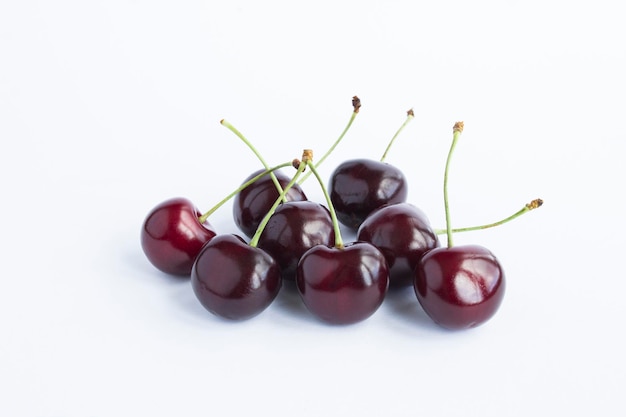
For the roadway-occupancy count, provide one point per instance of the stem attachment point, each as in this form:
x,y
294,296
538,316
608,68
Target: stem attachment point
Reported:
x,y
534,204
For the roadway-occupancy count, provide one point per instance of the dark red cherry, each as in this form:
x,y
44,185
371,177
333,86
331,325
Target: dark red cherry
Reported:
x,y
460,287
253,202
359,186
403,234
234,280
343,286
294,228
172,236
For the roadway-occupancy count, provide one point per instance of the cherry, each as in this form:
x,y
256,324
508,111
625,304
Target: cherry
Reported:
x,y
234,280
472,296
294,228
459,287
253,202
342,284
360,186
403,234
172,235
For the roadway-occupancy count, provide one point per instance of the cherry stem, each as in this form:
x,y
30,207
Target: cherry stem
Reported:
x,y
409,116
356,104
456,133
300,166
256,152
528,207
333,214
246,184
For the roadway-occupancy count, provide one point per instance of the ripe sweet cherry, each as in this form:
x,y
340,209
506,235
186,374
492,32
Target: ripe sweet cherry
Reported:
x,y
341,284
459,287
359,186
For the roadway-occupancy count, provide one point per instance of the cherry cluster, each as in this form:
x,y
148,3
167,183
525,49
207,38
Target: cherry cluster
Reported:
x,y
290,238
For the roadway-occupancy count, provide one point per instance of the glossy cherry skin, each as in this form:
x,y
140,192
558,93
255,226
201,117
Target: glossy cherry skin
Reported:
x,y
234,280
343,286
460,287
359,186
294,228
253,202
172,236
402,232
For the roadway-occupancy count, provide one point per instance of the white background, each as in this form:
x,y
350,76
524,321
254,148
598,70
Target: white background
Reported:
x,y
109,107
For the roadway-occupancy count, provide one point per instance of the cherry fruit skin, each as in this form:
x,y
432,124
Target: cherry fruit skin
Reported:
x,y
234,280
294,228
253,202
172,236
460,287
343,286
359,186
402,232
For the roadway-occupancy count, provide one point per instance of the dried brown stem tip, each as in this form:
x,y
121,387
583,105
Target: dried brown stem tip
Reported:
x,y
307,155
458,127
410,113
295,163
534,204
356,103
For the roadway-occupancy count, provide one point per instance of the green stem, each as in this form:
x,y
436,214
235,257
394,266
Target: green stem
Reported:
x,y
457,130
256,152
246,184
338,239
257,235
356,103
409,116
528,207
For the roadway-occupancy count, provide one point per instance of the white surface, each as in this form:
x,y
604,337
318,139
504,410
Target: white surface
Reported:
x,y
109,107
